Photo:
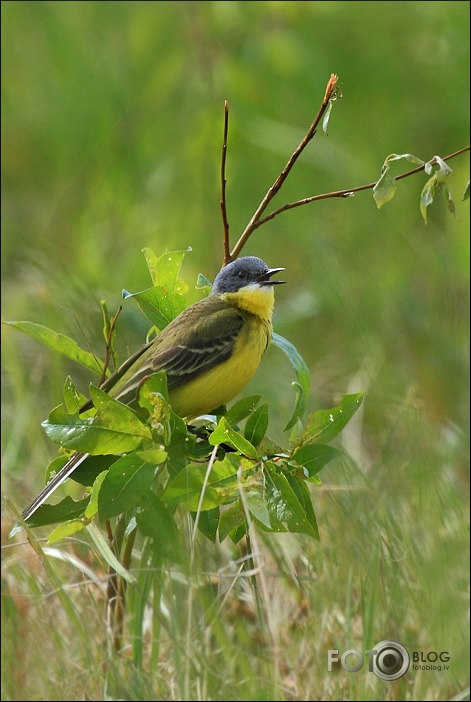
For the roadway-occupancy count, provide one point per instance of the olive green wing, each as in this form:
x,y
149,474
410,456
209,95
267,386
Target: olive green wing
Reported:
x,y
188,347
114,382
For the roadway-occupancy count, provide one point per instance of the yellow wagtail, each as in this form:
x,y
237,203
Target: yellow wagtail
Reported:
x,y
209,352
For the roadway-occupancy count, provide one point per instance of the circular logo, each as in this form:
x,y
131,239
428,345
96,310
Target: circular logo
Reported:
x,y
392,660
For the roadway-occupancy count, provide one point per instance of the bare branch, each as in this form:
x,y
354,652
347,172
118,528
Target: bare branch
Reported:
x,y
331,93
227,255
348,192
255,221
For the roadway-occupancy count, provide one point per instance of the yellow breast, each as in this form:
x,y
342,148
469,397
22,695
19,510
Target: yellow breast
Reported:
x,y
222,383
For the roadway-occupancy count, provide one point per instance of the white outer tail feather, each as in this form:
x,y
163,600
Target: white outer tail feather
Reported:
x,y
53,484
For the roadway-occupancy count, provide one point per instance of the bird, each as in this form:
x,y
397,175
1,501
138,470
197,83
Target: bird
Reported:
x,y
209,352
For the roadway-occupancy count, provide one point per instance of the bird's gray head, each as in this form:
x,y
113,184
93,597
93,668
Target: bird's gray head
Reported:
x,y
244,271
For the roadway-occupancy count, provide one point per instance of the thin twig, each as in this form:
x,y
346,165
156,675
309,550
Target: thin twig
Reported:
x,y
121,593
109,345
227,254
349,191
255,221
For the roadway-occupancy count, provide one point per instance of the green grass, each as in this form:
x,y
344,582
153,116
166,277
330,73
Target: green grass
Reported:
x,y
112,117
208,631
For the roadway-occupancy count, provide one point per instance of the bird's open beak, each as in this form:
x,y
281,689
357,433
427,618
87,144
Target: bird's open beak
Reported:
x,y
264,279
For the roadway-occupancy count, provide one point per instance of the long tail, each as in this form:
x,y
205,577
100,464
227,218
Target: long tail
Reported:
x,y
53,484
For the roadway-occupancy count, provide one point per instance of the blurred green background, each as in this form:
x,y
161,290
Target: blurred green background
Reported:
x,y
112,121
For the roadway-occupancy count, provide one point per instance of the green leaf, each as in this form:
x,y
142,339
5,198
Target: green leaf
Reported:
x,y
153,396
187,485
180,444
258,507
324,425
64,530
231,519
427,194
443,169
73,399
208,523
106,320
385,188
154,456
284,506
295,433
54,467
67,509
155,520
303,384
202,283
241,409
238,533
178,429
325,121
256,425
109,331
438,179
466,192
124,485
302,493
158,305
313,457
92,508
268,448
164,269
224,434
114,429
117,417
155,383
449,199
108,555
198,449
87,472
407,157
61,343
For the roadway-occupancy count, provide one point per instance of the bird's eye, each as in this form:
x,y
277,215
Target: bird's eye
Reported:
x,y
241,274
